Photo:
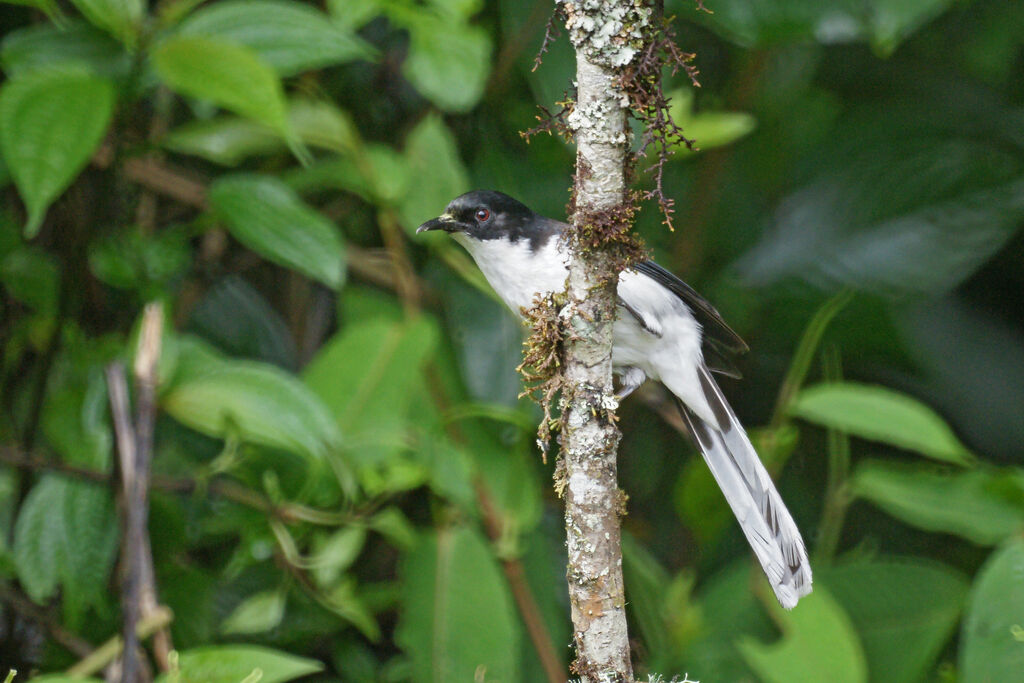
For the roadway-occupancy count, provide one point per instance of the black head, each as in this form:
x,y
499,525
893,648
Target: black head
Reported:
x,y
488,215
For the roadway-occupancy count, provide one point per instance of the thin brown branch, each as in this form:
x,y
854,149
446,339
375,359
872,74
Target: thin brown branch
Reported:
x,y
146,359
132,666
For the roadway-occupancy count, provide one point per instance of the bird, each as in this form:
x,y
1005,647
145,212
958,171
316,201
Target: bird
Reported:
x,y
664,331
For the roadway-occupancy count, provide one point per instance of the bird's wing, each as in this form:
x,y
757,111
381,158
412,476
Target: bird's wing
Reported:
x,y
763,517
719,340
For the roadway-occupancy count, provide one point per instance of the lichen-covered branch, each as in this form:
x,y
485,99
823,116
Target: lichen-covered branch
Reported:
x,y
607,36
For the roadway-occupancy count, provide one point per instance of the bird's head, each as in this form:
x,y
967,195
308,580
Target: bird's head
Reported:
x,y
486,215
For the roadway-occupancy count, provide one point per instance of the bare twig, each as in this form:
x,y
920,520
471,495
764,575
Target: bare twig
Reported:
x,y
135,449
117,387
146,360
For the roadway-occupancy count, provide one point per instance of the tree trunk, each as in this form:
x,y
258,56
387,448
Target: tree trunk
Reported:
x,y
602,33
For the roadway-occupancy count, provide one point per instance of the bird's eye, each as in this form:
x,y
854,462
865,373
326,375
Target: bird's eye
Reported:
x,y
482,215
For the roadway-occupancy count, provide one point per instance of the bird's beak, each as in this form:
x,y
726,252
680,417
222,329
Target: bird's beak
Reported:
x,y
444,222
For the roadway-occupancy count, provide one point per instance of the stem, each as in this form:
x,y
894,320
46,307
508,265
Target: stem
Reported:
x,y
804,353
837,499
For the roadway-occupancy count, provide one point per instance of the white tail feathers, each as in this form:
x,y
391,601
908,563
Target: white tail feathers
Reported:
x,y
767,524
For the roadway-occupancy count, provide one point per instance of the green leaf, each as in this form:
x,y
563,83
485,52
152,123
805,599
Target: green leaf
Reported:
x,y
992,640
258,613
120,18
366,373
66,534
228,140
354,15
235,316
881,414
76,424
458,619
88,548
235,663
818,644
257,402
38,534
709,129
31,276
336,553
289,36
452,72
903,609
127,259
50,124
229,75
982,506
266,216
434,162
45,46
345,600
378,174
925,194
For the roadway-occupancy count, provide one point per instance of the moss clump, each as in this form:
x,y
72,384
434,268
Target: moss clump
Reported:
x,y
541,366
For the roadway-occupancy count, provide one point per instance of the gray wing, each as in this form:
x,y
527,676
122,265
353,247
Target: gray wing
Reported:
x,y
719,340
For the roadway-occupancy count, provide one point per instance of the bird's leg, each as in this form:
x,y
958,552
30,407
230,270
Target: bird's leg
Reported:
x,y
629,380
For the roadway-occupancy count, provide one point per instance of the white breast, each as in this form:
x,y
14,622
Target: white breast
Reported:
x,y
515,271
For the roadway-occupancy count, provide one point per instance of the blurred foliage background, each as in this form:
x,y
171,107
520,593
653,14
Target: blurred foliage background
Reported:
x,y
345,484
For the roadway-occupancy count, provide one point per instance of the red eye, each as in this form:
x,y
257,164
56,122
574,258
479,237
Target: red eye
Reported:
x,y
482,215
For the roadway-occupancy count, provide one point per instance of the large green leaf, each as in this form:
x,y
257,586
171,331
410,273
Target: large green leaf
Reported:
x,y
229,75
265,215
457,621
366,374
439,174
903,609
881,414
818,643
979,505
66,534
120,18
50,123
43,46
290,36
925,194
451,72
992,640
254,401
235,663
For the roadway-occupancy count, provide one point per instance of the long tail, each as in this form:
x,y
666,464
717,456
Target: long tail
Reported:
x,y
762,515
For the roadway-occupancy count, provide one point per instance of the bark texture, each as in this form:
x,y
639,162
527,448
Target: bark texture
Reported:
x,y
605,35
